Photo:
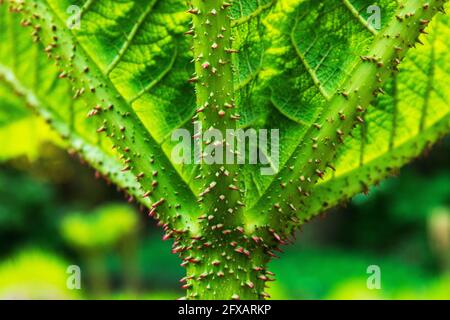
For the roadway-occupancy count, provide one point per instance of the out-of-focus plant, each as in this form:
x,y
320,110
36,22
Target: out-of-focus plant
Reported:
x,y
439,229
100,229
21,132
35,274
340,273
98,232
409,209
21,212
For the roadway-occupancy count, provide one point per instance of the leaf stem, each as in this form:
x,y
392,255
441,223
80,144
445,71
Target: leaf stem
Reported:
x,y
288,195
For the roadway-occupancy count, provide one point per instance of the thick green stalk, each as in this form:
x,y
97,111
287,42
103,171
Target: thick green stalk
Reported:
x,y
214,88
222,263
226,270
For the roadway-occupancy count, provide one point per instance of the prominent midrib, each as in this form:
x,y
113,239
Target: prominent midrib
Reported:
x,y
111,85
339,102
215,105
320,85
378,169
91,153
141,154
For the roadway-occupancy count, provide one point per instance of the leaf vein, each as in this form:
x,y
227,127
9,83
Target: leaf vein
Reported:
x,y
359,17
131,36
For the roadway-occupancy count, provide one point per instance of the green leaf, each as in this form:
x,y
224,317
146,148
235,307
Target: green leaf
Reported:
x,y
400,124
80,229
29,132
128,64
292,62
92,93
352,103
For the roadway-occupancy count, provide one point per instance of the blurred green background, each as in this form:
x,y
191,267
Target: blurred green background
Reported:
x,y
55,213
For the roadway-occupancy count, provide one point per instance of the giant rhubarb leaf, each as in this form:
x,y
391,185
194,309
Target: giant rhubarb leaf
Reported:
x,y
353,101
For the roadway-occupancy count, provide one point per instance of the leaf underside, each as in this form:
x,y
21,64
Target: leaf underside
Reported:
x,y
294,56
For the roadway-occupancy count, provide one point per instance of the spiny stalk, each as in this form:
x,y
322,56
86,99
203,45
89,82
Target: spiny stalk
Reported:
x,y
224,253
223,262
345,111
219,189
134,147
